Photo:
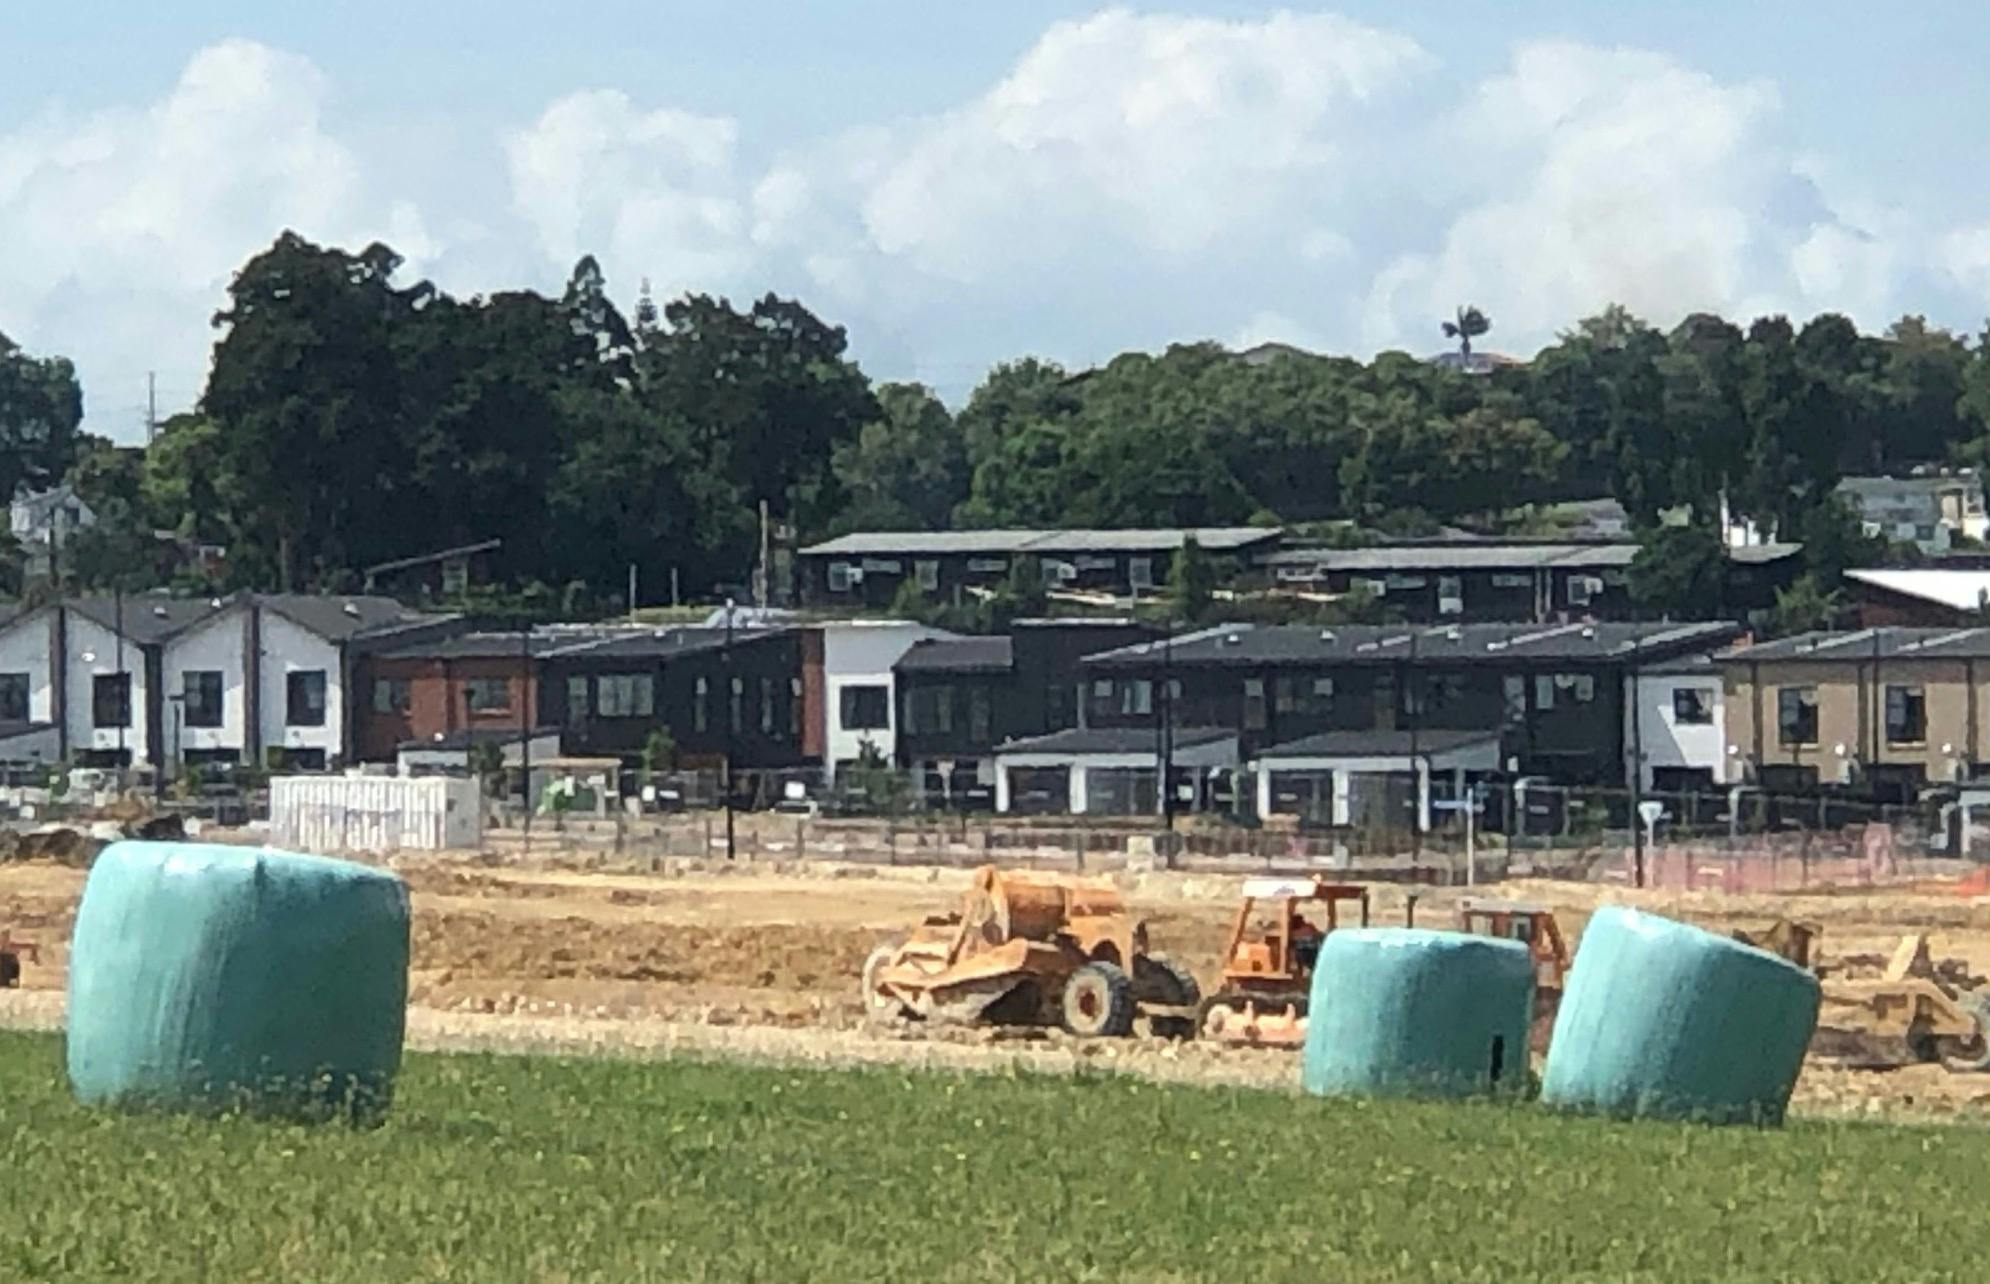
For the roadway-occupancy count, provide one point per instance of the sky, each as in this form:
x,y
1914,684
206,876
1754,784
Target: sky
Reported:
x,y
961,184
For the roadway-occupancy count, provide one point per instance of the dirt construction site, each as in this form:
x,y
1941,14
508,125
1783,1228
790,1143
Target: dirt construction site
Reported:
x,y
763,960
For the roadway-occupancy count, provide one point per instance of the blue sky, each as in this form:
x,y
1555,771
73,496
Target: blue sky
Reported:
x,y
963,183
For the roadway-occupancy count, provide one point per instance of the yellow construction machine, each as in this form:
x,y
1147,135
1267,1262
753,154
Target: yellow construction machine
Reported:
x,y
1268,967
1029,948
1911,1005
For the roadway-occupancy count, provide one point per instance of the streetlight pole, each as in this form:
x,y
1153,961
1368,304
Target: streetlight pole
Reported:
x,y
123,681
1418,781
725,779
1165,727
1637,760
524,727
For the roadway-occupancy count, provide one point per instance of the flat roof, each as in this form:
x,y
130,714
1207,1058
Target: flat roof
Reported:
x,y
1080,741
911,543
1855,646
1257,645
1379,744
959,655
1476,555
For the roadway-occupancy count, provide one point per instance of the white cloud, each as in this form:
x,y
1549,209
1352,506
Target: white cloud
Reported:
x,y
1132,179
1137,133
121,228
596,174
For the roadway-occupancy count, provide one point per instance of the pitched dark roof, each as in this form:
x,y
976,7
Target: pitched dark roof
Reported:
x,y
148,618
1378,744
959,655
1114,740
1216,539
340,618
1353,644
1857,646
497,644
662,644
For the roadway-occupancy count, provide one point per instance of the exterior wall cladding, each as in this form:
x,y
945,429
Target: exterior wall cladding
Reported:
x,y
692,695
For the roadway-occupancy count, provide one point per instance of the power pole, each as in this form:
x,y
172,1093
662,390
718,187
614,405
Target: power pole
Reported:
x,y
725,783
151,405
632,590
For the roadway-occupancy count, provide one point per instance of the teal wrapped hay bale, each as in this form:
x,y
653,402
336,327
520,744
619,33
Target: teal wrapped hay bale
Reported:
x,y
1409,1012
209,978
1662,1020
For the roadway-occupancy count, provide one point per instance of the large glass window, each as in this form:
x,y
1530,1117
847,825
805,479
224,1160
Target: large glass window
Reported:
x,y
110,700
304,698
1692,706
203,698
13,697
487,695
1906,715
392,695
625,695
1796,715
864,708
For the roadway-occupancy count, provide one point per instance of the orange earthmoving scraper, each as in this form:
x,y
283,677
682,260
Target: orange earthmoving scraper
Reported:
x,y
1268,967
1032,949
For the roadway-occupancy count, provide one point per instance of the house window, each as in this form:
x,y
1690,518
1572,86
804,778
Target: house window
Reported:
x,y
736,707
1692,706
1450,595
1906,715
1254,710
392,695
456,576
487,695
979,715
701,706
625,695
839,577
864,708
1137,697
1581,588
202,692
1924,533
928,573
1796,715
942,710
13,697
1302,695
1140,572
304,698
577,702
1513,688
766,706
795,707
110,700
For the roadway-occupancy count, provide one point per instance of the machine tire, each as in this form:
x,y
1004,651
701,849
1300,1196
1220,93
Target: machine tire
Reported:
x,y
1162,980
879,1006
1972,1054
1098,1002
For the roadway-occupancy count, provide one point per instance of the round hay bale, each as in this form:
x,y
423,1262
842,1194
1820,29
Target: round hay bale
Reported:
x,y
1412,1012
211,978
1663,1020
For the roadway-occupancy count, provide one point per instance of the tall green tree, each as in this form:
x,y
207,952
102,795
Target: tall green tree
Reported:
x,y
1679,572
908,469
41,417
1191,582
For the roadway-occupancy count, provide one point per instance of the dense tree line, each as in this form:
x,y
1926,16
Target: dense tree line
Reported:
x,y
351,419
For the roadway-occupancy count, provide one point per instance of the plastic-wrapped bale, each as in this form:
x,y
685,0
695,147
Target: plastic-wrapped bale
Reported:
x,y
1410,1012
210,978
1663,1020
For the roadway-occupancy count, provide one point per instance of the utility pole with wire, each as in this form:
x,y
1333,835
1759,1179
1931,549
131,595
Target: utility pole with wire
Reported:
x,y
725,782
151,406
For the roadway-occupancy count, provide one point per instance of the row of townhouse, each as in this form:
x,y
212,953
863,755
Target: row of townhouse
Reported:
x,y
1286,720
145,679
1456,579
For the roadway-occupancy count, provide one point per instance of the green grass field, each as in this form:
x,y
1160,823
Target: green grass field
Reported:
x,y
503,1168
